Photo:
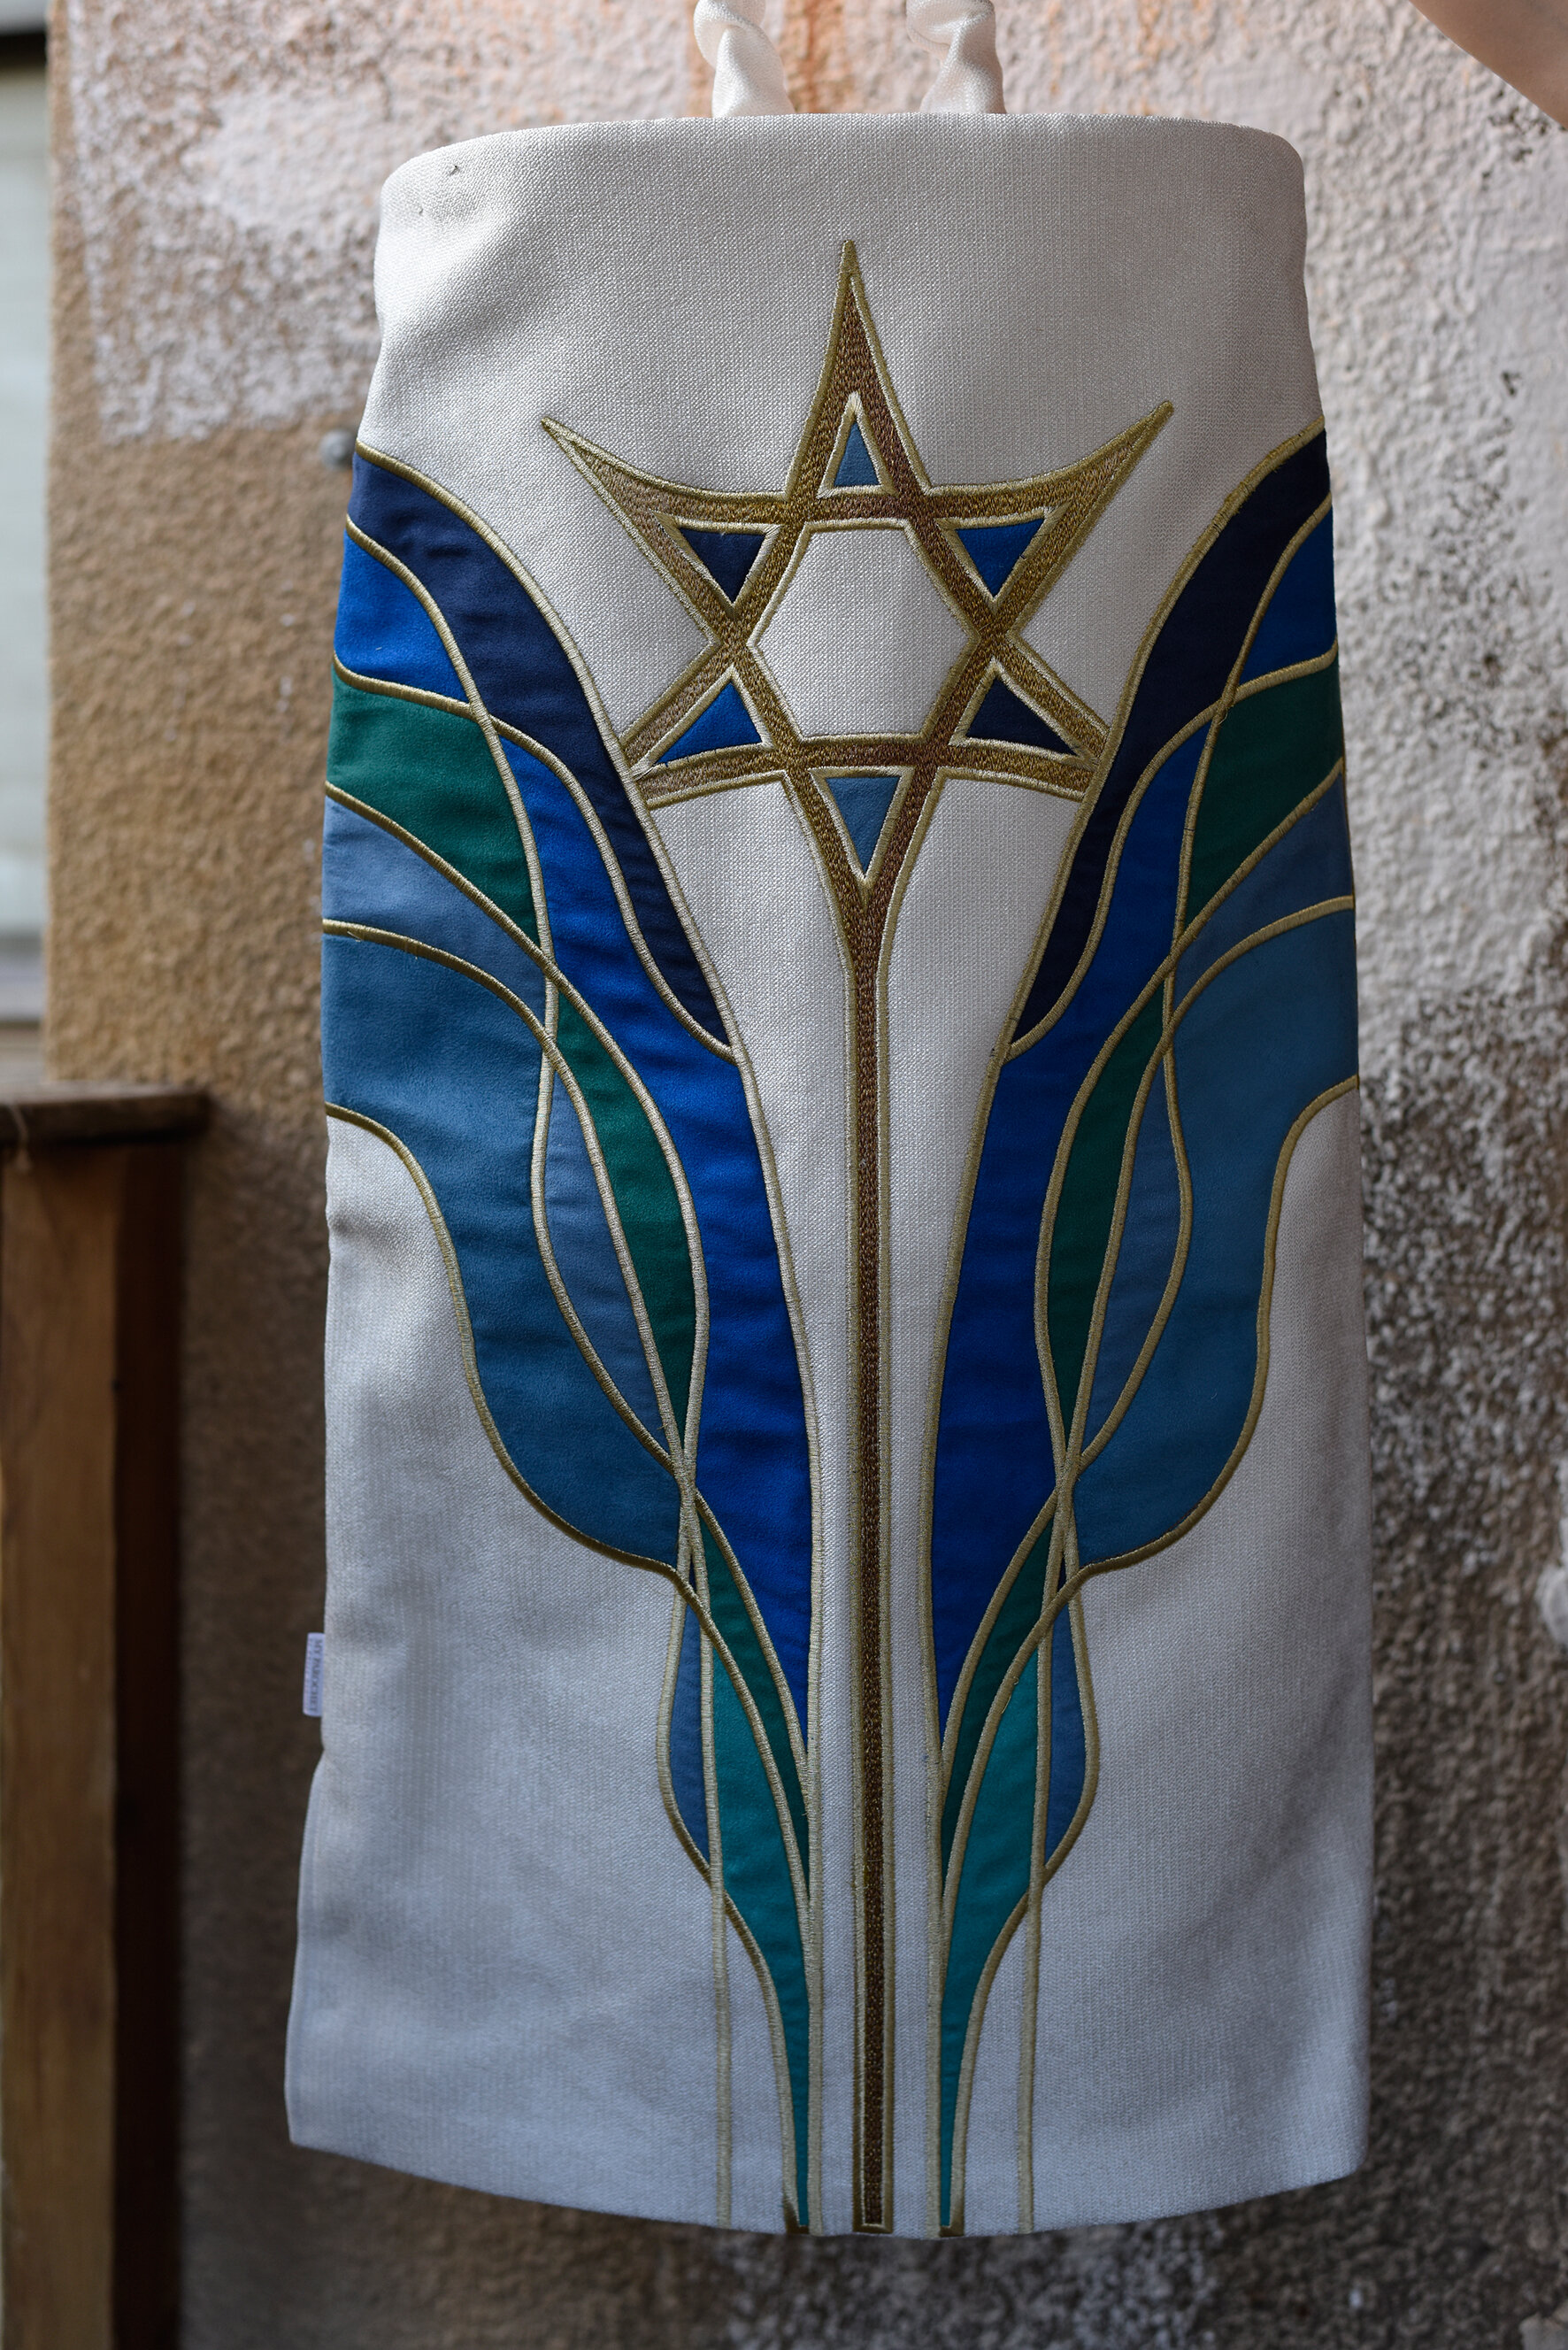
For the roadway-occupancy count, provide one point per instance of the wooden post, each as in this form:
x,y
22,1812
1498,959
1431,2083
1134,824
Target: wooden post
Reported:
x,y
89,1291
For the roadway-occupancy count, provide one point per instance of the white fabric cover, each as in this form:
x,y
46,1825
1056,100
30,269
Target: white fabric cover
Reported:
x,y
507,1970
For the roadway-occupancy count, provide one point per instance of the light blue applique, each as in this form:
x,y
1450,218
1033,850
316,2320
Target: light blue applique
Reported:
x,y
1005,717
856,467
726,722
862,803
726,556
996,549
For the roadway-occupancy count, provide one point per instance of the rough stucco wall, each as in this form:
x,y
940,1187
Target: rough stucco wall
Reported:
x,y
218,166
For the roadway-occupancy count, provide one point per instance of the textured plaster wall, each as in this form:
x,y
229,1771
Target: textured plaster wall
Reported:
x,y
218,168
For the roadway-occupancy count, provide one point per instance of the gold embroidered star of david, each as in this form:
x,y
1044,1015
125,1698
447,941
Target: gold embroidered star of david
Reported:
x,y
983,557
993,552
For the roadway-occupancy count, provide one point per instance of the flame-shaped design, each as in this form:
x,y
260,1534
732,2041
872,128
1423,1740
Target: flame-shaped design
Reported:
x,y
1192,1006
511,996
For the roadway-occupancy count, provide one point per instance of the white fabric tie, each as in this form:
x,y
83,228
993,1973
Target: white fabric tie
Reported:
x,y
970,80
748,74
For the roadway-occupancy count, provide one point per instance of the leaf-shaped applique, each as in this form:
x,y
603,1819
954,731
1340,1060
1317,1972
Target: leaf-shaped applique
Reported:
x,y
1193,1005
583,1244
525,677
1262,1043
510,994
1151,1253
645,1205
432,773
989,1877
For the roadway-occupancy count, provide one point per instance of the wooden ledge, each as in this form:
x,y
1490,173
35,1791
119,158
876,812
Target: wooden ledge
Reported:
x,y
36,1118
91,1278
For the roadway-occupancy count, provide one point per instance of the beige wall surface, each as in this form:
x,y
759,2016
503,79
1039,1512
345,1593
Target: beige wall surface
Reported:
x,y
219,162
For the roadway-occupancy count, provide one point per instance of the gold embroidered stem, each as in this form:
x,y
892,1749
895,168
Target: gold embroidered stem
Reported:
x,y
864,905
873,1760
863,913
856,467
721,1917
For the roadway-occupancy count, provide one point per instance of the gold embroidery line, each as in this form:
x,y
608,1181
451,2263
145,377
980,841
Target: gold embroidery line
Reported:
x,y
565,1305
1048,1868
554,1067
1080,1575
855,383
810,1766
708,771
722,2085
1068,1595
391,687
476,712
1114,1418
723,2128
685,1596
726,1912
1064,1537
1014,1045
693,1499
601,718
940,1747
696,781
1062,1431
557,986
977,1646
1232,505
988,1736
465,1334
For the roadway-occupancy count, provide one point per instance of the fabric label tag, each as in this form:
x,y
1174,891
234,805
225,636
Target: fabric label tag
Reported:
x,y
315,1659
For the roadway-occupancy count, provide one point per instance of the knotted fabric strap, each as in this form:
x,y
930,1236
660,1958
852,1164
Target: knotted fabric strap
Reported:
x,y
970,80
748,76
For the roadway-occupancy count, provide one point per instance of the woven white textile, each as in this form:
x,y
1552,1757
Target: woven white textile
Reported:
x,y
846,1689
